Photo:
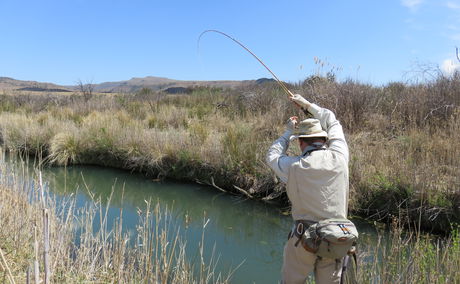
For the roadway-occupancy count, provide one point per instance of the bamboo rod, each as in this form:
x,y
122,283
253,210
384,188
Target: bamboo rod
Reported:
x,y
280,83
283,86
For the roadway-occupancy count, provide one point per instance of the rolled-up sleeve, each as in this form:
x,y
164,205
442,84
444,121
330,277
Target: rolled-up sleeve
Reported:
x,y
277,158
333,128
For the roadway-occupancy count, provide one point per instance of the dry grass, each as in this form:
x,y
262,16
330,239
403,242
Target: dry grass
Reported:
x,y
401,256
404,139
81,254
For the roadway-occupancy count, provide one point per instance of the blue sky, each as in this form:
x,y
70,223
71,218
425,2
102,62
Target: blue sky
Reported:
x,y
375,41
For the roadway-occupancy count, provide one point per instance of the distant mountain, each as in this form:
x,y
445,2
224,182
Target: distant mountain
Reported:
x,y
154,83
132,85
38,89
158,83
13,84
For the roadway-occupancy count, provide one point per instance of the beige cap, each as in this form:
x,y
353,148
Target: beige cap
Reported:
x,y
310,127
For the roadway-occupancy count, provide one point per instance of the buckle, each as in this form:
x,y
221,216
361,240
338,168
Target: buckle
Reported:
x,y
300,229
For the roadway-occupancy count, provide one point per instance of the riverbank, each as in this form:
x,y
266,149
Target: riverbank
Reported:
x,y
404,140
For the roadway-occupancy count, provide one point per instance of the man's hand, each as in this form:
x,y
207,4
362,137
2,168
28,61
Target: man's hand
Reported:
x,y
291,123
300,101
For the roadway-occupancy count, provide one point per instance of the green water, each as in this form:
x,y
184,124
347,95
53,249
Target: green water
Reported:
x,y
246,232
242,231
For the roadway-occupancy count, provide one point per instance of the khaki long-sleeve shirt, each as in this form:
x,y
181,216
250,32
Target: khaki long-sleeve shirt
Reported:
x,y
317,182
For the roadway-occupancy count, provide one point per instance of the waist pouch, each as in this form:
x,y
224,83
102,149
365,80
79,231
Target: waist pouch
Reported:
x,y
329,238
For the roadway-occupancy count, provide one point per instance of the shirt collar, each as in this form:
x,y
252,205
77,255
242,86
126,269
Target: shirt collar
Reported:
x,y
314,146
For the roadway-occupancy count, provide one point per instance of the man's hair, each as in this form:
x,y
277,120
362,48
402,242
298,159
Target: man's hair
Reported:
x,y
310,140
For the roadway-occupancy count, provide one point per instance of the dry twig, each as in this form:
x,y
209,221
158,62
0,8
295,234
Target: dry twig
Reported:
x,y
6,267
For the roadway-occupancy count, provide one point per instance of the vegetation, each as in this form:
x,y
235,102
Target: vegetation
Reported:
x,y
79,253
404,139
80,248
408,257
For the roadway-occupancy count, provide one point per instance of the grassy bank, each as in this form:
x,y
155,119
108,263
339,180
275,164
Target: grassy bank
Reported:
x,y
77,252
404,139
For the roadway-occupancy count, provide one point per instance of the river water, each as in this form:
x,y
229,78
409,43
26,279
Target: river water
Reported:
x,y
242,231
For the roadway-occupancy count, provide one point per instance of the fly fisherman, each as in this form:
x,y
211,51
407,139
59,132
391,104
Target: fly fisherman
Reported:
x,y
317,187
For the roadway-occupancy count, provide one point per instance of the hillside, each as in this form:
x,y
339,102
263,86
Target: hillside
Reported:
x,y
7,83
132,85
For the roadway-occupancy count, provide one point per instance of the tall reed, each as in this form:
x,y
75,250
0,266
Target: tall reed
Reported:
x,y
82,248
401,256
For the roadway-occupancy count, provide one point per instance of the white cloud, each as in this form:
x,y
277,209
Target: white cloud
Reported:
x,y
455,37
453,5
449,66
411,4
453,27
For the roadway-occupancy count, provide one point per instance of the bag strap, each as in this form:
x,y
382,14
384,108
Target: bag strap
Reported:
x,y
345,265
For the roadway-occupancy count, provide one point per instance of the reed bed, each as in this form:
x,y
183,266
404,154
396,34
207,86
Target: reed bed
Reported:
x,y
50,242
404,139
406,256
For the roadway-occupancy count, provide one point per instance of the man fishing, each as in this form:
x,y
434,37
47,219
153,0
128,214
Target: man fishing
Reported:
x,y
317,187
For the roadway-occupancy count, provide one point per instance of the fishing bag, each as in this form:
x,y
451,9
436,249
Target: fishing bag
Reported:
x,y
330,238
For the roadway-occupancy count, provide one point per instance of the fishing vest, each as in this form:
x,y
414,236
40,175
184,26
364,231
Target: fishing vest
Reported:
x,y
318,186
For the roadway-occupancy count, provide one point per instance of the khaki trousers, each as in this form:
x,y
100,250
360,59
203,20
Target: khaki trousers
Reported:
x,y
299,263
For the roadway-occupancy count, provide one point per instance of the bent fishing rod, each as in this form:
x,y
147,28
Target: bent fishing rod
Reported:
x,y
280,83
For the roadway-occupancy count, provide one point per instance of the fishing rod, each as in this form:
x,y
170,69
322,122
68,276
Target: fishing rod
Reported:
x,y
281,83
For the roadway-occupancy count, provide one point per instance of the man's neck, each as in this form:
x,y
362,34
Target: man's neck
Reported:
x,y
314,146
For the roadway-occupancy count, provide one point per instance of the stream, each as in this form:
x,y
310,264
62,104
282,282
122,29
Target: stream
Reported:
x,y
247,235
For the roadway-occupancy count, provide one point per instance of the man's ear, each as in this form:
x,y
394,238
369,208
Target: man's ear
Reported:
x,y
301,142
